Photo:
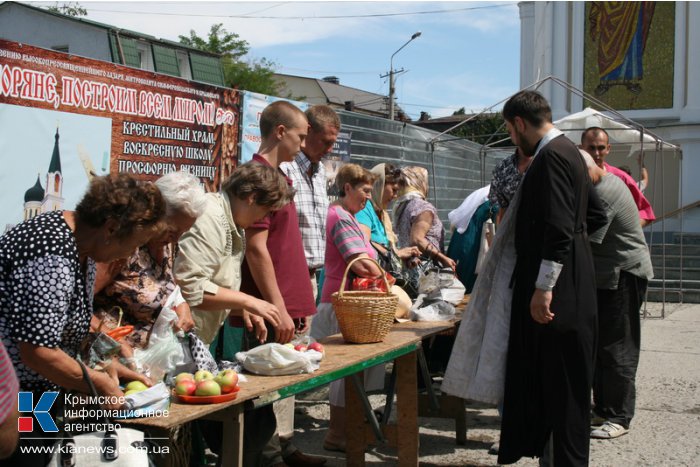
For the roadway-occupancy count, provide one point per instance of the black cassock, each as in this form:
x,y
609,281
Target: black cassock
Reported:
x,y
549,368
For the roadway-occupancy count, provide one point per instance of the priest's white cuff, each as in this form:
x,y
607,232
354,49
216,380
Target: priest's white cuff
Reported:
x,y
548,275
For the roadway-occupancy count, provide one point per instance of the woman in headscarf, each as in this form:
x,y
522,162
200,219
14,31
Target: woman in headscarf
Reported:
x,y
417,221
375,220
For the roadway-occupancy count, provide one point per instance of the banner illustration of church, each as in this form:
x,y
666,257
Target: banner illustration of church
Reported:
x,y
65,119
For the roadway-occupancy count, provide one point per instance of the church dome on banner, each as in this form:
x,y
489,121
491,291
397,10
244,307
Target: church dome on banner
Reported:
x,y
35,193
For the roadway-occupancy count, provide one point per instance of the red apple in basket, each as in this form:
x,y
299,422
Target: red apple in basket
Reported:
x,y
318,347
300,348
208,387
186,387
227,379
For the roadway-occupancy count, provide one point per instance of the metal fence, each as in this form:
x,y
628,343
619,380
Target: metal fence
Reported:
x,y
457,167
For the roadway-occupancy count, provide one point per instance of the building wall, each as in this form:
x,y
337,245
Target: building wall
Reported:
x,y
302,89
24,25
552,43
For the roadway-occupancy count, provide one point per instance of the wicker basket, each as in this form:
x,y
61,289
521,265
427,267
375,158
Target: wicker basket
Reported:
x,y
364,316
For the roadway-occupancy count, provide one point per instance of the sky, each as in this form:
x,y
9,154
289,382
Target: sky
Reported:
x,y
467,54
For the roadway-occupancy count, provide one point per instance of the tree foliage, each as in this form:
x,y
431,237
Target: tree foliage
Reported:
x,y
69,9
239,71
486,128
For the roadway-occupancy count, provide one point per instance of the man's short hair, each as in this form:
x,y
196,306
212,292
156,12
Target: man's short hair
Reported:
x,y
595,130
530,106
322,116
278,113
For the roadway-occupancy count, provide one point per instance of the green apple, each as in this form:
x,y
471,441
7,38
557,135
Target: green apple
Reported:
x,y
207,387
136,386
203,375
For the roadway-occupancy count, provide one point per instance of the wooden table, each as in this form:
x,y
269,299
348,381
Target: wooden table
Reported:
x,y
342,361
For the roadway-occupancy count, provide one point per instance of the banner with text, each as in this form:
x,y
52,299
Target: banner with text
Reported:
x,y
64,119
252,106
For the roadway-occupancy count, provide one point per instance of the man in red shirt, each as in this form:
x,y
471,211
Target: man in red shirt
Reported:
x,y
275,266
595,141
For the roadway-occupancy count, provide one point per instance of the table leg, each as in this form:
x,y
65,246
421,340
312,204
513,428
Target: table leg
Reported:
x,y
407,410
232,447
354,426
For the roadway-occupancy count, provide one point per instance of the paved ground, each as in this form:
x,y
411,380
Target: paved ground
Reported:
x,y
665,430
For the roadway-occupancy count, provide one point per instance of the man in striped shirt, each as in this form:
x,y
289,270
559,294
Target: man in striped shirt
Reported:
x,y
309,178
623,269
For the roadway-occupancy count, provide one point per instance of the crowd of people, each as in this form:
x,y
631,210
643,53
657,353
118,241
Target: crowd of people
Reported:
x,y
554,309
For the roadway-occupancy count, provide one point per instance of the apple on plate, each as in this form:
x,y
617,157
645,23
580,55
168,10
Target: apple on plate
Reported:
x,y
184,376
203,375
289,344
207,387
227,380
300,348
186,387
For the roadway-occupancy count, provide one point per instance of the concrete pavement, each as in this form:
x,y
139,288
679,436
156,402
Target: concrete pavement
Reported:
x,y
664,432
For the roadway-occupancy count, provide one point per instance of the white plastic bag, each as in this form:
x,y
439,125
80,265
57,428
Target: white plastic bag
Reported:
x,y
453,293
277,359
146,402
164,352
432,311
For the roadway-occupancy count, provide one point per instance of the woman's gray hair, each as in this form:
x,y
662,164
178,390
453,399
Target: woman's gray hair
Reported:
x,y
182,193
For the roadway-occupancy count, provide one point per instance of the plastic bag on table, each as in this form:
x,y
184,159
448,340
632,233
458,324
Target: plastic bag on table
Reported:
x,y
165,351
452,293
309,346
425,309
276,359
435,278
146,403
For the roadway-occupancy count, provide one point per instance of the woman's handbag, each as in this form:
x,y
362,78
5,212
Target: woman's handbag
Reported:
x,y
117,447
390,262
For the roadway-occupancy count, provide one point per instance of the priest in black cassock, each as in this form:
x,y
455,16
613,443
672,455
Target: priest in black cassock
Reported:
x,y
553,327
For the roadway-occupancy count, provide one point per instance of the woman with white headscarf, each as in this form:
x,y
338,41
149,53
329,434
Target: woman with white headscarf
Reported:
x,y
417,221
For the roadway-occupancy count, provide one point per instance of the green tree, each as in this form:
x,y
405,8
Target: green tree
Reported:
x,y
254,75
68,9
486,128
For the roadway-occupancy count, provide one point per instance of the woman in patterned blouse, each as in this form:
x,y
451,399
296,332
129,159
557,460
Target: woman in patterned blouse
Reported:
x,y
416,219
141,284
47,275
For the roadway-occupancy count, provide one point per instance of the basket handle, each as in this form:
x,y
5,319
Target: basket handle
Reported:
x,y
347,270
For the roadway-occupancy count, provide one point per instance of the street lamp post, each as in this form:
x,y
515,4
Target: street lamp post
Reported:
x,y
391,75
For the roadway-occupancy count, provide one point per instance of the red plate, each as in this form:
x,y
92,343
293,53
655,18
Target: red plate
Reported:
x,y
206,399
